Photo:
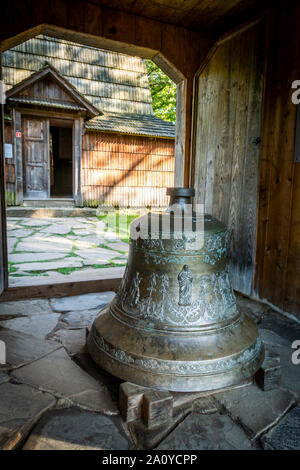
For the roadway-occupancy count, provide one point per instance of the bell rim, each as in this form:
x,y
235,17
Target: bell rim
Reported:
x,y
234,363
202,382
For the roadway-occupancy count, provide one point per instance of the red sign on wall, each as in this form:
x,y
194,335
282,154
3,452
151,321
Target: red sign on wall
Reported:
x,y
18,134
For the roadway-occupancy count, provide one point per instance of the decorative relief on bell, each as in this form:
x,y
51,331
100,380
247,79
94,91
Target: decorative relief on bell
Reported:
x,y
134,292
213,298
185,281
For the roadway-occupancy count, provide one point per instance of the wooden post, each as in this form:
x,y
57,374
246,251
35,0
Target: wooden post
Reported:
x,y
183,132
77,149
3,240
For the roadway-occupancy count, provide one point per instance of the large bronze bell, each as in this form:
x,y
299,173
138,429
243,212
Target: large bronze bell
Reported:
x,y
174,323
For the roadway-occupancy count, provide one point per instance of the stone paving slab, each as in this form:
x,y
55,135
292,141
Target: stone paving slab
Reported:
x,y
254,409
35,325
73,429
271,339
83,231
281,325
29,257
80,318
97,254
59,249
57,229
23,349
87,241
20,233
35,222
103,259
12,224
58,374
73,340
252,308
112,383
3,378
290,376
82,302
206,432
121,246
147,438
33,245
48,266
20,408
24,307
286,434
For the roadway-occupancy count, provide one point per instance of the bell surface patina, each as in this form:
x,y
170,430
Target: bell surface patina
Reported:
x,y
174,323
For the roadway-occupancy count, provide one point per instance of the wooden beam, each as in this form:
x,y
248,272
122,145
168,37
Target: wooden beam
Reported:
x,y
60,289
89,23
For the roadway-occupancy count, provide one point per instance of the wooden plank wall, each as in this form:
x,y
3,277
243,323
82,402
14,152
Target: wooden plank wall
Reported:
x,y
126,170
278,241
228,127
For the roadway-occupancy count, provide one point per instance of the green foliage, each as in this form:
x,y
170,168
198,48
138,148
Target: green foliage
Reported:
x,y
163,92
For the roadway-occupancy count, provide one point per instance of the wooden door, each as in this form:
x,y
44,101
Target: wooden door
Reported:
x,y
36,169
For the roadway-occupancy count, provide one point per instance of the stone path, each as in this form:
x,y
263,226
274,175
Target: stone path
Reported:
x,y
61,249
53,396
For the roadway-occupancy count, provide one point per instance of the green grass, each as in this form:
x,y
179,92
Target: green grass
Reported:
x,y
66,271
11,269
72,253
119,223
65,235
109,265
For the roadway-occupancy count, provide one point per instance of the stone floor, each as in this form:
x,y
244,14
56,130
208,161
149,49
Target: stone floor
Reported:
x,y
52,396
49,250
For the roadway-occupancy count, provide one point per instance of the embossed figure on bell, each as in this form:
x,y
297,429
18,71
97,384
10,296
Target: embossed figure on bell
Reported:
x,y
185,280
174,323
134,292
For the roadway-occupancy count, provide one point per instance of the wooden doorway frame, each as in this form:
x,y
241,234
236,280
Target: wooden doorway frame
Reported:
x,y
171,63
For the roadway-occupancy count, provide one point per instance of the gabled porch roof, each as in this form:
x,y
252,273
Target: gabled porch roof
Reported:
x,y
78,103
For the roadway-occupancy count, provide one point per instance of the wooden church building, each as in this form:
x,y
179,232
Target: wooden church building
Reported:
x,y
79,125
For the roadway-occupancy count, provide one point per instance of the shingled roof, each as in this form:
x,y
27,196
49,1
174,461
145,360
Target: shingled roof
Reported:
x,y
116,84
138,124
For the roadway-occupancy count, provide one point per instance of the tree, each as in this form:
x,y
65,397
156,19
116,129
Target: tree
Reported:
x,y
163,92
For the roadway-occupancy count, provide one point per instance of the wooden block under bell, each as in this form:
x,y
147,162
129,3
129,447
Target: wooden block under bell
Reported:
x,y
130,401
269,375
157,408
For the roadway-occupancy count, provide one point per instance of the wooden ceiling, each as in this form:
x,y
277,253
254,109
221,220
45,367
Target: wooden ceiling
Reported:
x,y
208,16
